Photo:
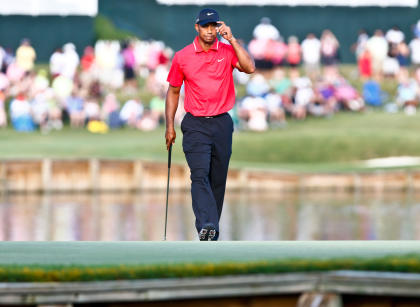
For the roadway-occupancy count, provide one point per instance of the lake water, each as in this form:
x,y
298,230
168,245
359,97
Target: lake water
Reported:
x,y
246,216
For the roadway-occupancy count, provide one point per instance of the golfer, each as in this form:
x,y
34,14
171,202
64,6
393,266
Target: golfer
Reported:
x,y
205,67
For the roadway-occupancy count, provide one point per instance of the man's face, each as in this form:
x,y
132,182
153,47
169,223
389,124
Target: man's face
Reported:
x,y
207,32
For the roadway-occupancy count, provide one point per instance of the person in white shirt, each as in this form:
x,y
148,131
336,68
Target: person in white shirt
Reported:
x,y
394,35
57,62
311,54
266,31
415,51
71,60
377,46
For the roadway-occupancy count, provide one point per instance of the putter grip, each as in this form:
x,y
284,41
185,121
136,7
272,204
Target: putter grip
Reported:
x,y
169,156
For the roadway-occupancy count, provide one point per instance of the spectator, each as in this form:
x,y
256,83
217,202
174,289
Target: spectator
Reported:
x,y
110,111
274,108
257,86
311,53
415,51
20,113
75,109
266,31
57,62
88,59
360,45
347,96
294,52
364,63
407,93
92,110
329,48
394,36
280,83
25,56
40,111
131,112
3,116
372,93
129,65
157,108
378,49
71,61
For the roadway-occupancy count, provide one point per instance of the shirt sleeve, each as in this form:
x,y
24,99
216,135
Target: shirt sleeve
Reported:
x,y
175,76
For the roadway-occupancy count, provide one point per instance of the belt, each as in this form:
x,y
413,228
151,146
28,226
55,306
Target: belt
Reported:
x,y
213,116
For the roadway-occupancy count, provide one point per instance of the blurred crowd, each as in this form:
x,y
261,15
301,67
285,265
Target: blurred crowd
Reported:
x,y
83,91
297,79
101,89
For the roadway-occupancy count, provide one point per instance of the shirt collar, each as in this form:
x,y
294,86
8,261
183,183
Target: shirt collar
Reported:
x,y
198,48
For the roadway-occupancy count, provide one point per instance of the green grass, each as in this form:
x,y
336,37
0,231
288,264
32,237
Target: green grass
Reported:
x,y
79,261
316,144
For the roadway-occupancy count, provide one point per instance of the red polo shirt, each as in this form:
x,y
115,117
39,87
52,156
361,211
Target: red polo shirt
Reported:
x,y
207,77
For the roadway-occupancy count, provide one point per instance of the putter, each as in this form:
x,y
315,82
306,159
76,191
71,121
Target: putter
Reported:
x,y
167,189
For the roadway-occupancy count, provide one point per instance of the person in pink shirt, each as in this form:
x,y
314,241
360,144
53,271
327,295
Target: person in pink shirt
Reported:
x,y
205,68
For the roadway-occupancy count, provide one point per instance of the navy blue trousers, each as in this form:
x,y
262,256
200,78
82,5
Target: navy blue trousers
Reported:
x,y
207,144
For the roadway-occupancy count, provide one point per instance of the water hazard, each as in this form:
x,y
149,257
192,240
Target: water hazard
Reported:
x,y
246,216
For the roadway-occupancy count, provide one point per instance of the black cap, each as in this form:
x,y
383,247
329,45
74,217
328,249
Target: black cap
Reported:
x,y
207,16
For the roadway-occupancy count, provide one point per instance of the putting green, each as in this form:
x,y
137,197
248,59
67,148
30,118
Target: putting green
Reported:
x,y
71,261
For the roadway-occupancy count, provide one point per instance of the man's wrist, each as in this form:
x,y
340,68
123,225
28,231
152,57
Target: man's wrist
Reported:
x,y
233,39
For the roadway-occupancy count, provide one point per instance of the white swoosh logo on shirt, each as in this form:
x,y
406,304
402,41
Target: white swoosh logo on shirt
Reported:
x,y
219,60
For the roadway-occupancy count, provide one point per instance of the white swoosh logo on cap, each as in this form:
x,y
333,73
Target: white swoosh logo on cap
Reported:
x,y
219,60
209,14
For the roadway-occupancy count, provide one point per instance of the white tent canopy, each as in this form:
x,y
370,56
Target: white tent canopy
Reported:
x,y
49,7
351,3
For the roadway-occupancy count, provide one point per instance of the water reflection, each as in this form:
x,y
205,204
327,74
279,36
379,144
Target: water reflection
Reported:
x,y
246,216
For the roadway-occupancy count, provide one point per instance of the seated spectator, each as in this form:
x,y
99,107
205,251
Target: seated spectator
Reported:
x,y
3,116
407,94
4,82
302,96
274,108
253,114
372,93
20,113
157,108
63,87
257,86
280,83
75,109
324,102
147,122
348,97
390,67
40,111
92,110
111,111
131,112
40,83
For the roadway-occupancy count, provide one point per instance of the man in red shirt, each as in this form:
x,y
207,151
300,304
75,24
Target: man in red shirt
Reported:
x,y
205,68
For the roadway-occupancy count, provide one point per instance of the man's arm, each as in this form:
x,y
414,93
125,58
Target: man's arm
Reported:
x,y
172,98
245,61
